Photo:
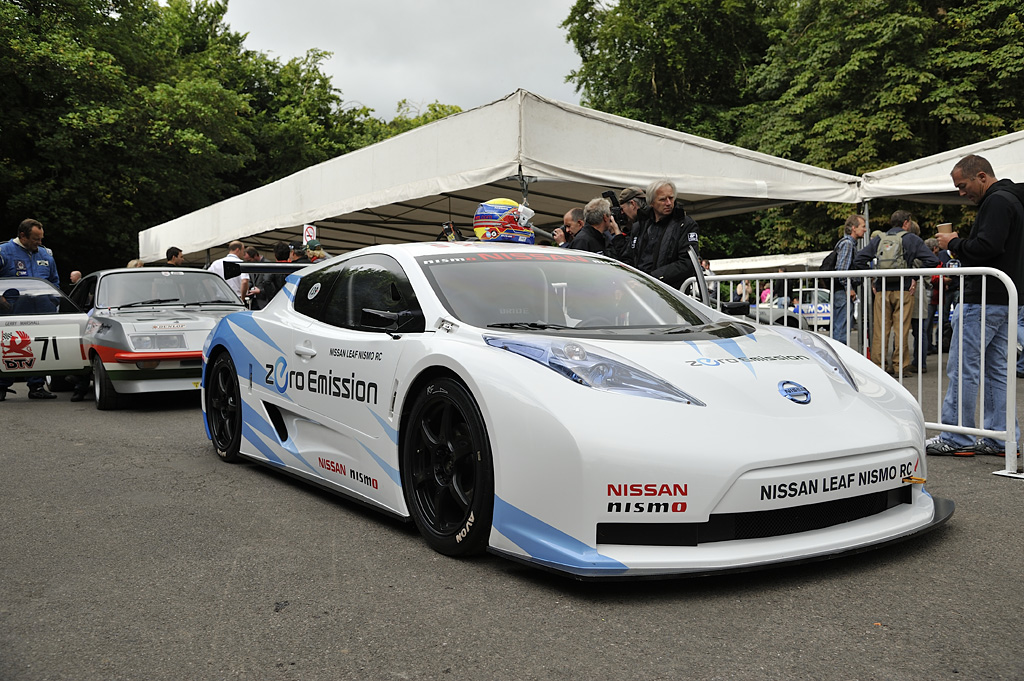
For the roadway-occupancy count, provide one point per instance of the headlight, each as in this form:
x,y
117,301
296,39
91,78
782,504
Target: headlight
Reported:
x,y
158,341
594,370
820,350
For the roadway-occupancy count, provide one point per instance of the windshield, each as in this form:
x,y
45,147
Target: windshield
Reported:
x,y
551,292
163,287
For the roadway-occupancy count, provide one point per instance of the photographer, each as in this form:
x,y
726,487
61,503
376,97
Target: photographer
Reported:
x,y
631,201
572,223
598,222
660,243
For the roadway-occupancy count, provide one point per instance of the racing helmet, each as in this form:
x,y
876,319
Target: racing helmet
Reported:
x,y
503,220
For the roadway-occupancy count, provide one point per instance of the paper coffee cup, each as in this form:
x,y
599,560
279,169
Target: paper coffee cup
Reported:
x,y
945,228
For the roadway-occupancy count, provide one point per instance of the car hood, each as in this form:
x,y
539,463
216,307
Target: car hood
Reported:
x,y
168,319
764,366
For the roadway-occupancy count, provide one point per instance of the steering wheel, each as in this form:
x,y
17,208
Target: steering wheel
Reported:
x,y
594,321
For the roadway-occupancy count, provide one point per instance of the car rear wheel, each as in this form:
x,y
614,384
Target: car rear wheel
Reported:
x,y
447,472
106,397
224,408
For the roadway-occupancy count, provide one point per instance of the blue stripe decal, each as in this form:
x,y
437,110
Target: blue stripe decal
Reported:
x,y
548,545
388,470
733,348
388,430
245,321
253,423
291,282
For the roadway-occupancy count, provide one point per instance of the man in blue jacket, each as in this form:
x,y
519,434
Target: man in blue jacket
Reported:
x,y
25,256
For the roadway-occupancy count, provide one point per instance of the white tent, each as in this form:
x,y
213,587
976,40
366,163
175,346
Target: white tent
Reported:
x,y
555,154
926,180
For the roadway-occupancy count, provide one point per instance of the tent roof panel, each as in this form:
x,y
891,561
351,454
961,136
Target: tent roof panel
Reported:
x,y
561,155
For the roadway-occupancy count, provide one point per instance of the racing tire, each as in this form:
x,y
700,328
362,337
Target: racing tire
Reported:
x,y
447,470
224,408
106,397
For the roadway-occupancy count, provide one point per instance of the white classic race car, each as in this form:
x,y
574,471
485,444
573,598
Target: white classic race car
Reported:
x,y
41,330
559,408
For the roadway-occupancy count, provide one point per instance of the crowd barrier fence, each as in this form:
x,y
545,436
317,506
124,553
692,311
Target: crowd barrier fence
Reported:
x,y
809,305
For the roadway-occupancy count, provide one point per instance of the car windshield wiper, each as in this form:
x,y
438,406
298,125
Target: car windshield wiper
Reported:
x,y
211,302
152,301
701,328
526,325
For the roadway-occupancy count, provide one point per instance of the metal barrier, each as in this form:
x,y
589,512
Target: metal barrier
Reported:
x,y
806,311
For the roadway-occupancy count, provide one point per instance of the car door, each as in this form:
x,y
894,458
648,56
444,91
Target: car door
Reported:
x,y
343,371
40,330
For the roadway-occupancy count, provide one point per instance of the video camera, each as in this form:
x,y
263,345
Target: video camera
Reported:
x,y
621,219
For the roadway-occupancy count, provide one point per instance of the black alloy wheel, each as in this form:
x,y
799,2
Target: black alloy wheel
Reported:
x,y
447,471
224,408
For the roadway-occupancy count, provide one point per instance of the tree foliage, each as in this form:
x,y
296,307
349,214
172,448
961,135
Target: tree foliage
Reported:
x,y
848,85
680,64
116,115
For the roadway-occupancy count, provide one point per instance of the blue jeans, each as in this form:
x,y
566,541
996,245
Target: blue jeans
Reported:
x,y
970,371
840,301
1020,337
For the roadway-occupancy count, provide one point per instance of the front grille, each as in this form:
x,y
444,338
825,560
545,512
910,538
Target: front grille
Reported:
x,y
754,524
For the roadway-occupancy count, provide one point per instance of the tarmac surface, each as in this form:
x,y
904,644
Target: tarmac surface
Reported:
x,y
129,551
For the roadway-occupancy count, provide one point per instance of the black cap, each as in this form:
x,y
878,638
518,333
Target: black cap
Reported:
x,y
297,246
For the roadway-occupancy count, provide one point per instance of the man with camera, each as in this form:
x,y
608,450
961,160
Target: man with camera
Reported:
x,y
572,223
598,223
630,201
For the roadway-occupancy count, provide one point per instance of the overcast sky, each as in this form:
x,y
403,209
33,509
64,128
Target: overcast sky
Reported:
x,y
462,52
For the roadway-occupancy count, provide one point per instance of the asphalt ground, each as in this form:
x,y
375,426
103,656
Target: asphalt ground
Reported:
x,y
129,551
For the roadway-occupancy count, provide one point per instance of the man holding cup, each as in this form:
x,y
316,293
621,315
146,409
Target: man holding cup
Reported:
x,y
996,240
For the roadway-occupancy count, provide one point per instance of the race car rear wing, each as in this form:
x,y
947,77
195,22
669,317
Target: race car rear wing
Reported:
x,y
233,269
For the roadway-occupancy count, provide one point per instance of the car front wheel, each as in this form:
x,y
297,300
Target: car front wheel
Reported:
x,y
447,471
224,408
106,397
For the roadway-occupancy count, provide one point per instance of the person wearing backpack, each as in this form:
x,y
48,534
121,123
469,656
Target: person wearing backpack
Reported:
x,y
894,296
996,240
844,290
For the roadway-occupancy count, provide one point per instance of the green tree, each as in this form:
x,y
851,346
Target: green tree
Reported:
x,y
116,115
408,117
848,85
680,64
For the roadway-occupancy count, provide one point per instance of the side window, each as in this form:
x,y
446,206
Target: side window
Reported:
x,y
373,294
83,294
313,290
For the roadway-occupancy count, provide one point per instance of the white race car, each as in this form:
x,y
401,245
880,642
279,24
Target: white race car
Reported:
x,y
40,331
559,408
147,326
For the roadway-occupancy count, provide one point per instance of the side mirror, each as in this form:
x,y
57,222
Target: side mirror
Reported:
x,y
736,308
405,321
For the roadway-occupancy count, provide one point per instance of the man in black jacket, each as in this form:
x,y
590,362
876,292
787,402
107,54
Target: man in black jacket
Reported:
x,y
661,244
996,240
597,222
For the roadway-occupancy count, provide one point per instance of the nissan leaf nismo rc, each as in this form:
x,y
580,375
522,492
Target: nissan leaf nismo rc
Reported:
x,y
562,409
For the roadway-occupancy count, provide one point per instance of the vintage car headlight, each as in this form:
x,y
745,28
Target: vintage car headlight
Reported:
x,y
581,365
820,350
158,341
